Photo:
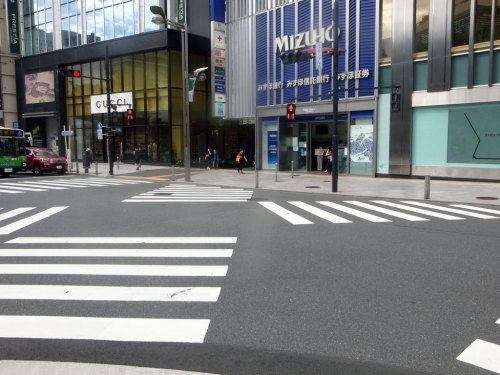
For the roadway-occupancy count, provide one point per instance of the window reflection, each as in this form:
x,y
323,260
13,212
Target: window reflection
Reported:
x,y
386,32
482,27
461,22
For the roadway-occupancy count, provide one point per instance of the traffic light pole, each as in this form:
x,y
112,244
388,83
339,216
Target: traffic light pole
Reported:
x,y
110,137
335,98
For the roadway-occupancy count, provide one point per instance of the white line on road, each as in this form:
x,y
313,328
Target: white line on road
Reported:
x,y
482,354
126,253
419,210
15,212
183,200
112,270
113,329
352,211
7,229
122,240
320,213
481,209
386,211
109,293
453,210
285,214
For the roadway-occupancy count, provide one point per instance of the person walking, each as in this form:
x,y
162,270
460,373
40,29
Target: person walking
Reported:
x,y
240,160
137,157
208,158
215,159
328,155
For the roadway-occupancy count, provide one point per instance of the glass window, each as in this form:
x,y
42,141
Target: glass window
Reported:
x,y
64,10
98,4
176,69
139,72
497,21
108,23
99,25
96,73
386,32
89,5
136,19
148,25
65,32
127,73
116,69
461,22
150,70
162,61
48,15
128,19
73,8
50,36
482,27
118,20
90,27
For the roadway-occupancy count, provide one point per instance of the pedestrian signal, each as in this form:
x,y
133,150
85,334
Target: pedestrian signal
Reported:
x,y
71,73
290,111
395,102
130,114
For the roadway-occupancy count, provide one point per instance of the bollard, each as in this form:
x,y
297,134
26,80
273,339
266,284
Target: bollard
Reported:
x,y
118,163
173,174
77,170
276,173
427,189
96,169
292,168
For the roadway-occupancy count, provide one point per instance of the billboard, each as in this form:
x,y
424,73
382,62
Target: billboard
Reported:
x,y
39,87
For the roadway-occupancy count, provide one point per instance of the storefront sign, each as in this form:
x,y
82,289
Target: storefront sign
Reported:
x,y
302,40
218,33
13,23
181,11
272,147
119,102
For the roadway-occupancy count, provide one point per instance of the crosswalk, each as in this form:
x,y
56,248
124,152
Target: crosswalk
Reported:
x,y
15,225
111,253
188,193
57,184
376,211
482,354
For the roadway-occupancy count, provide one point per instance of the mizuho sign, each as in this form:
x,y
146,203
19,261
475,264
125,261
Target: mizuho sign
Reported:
x,y
302,40
119,102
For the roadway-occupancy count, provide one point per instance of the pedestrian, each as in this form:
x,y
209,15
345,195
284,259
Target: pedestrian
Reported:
x,y
328,155
137,157
215,159
319,158
208,158
87,159
240,160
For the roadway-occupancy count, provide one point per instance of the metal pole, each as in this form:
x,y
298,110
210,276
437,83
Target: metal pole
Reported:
x,y
257,152
185,95
335,99
110,124
96,169
292,168
427,189
276,174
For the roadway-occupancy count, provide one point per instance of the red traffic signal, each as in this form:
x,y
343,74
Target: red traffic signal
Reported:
x,y
71,73
290,111
130,114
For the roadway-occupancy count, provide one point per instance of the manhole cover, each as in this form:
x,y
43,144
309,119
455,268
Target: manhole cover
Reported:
x,y
488,198
312,187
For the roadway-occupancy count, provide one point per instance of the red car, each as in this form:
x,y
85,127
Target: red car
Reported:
x,y
41,159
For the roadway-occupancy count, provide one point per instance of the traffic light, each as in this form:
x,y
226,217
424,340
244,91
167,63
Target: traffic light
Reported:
x,y
71,73
294,57
130,114
290,111
395,102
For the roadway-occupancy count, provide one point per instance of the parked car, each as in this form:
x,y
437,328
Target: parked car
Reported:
x,y
42,159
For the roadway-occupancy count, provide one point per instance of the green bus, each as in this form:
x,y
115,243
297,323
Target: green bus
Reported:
x,y
12,151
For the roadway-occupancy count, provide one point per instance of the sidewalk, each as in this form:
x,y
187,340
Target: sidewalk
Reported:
x,y
314,182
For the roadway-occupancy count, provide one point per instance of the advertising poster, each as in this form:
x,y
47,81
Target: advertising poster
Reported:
x,y
39,87
361,144
272,147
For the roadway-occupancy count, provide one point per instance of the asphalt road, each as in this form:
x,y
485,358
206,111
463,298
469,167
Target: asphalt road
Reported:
x,y
359,297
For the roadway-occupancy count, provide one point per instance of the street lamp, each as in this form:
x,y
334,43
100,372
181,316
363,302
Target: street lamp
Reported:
x,y
160,18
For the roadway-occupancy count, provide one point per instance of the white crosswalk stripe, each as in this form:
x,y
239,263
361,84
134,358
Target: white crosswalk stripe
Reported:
x,y
157,326
192,194
37,185
482,354
22,223
344,207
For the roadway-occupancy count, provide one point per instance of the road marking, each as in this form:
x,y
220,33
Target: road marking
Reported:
x,y
319,212
109,293
10,191
285,214
453,210
352,211
43,185
387,211
482,354
419,210
113,329
7,229
112,270
17,187
490,211
182,200
129,253
122,240
15,212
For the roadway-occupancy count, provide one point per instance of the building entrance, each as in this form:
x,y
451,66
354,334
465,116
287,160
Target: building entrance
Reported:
x,y
303,143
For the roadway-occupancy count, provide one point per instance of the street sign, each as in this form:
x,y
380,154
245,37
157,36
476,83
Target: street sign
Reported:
x,y
118,130
66,133
99,134
99,125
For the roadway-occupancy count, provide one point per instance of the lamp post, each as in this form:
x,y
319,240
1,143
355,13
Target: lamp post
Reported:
x,y
335,96
160,18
